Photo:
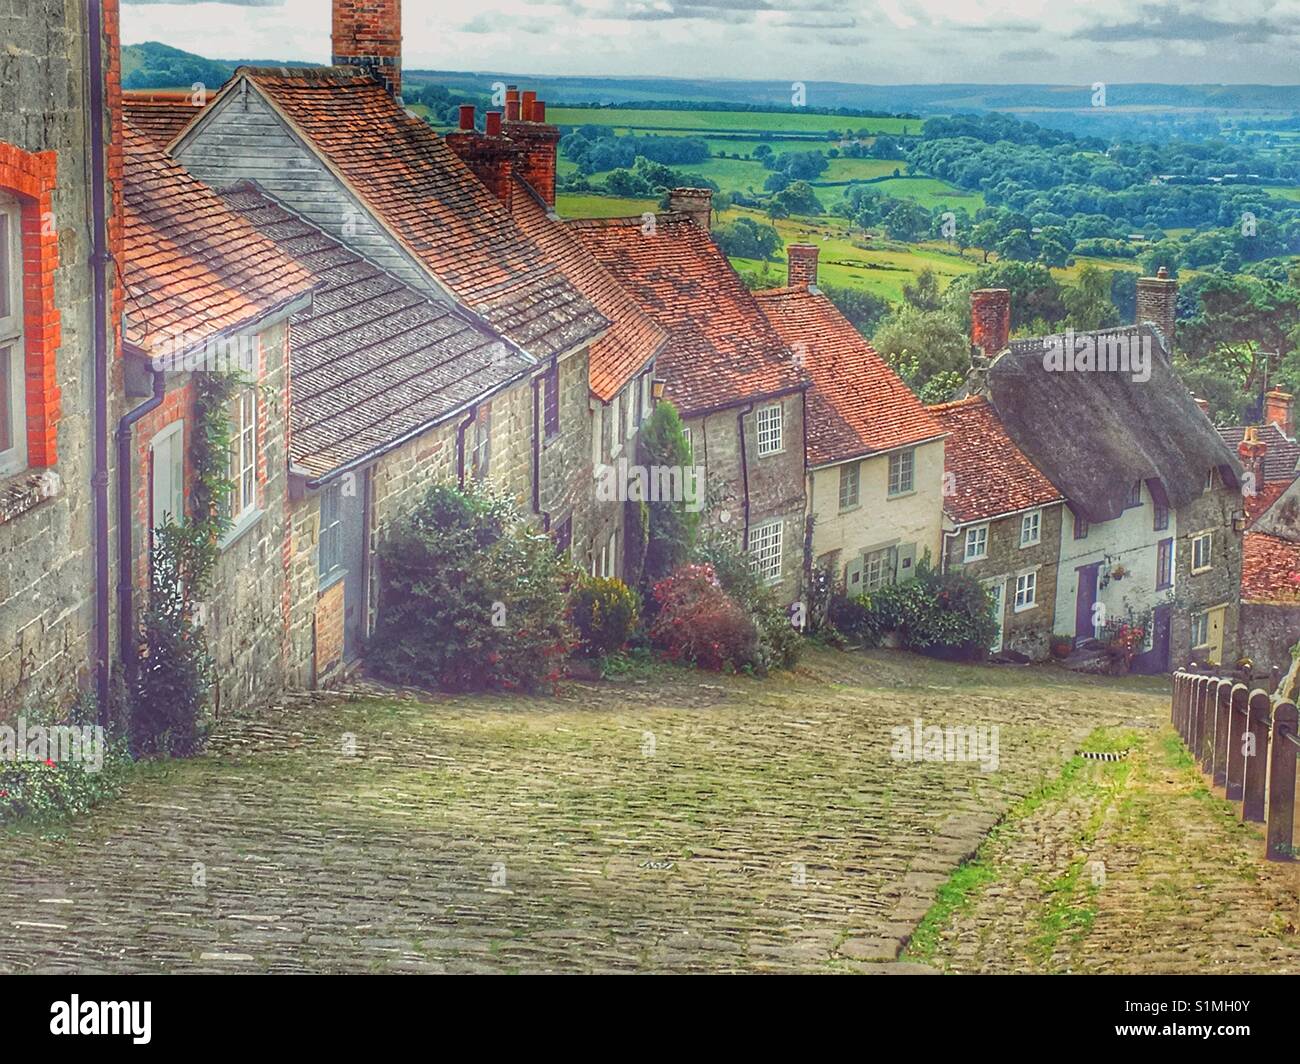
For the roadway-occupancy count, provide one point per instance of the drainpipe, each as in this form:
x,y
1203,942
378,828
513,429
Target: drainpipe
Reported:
x,y
99,259
460,446
744,473
125,568
537,456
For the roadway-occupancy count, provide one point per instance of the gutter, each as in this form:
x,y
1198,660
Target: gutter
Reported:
x,y
100,257
125,583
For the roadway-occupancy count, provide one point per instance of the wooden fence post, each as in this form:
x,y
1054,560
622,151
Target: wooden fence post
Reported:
x,y
1218,767
1176,701
1281,783
1257,725
1197,745
1240,699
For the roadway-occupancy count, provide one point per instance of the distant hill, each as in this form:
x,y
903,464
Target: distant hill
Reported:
x,y
160,66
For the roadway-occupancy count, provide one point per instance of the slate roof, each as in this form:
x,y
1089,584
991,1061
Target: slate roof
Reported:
x,y
372,361
433,203
991,476
722,350
633,339
1094,433
857,404
192,267
1281,460
160,116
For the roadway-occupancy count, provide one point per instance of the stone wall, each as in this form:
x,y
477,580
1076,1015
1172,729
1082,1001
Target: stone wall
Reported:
x,y
47,545
1220,586
1268,632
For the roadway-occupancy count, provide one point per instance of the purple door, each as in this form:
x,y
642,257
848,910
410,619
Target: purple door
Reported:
x,y
1084,601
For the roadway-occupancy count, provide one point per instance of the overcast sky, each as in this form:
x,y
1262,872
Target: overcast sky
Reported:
x,y
869,41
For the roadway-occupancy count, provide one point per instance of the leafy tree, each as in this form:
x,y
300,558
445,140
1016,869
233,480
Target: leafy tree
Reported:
x,y
672,527
922,345
923,293
1088,301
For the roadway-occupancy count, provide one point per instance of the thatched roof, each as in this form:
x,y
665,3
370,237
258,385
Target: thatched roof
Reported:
x,y
1095,432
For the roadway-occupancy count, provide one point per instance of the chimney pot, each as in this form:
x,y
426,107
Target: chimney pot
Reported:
x,y
801,262
512,104
526,106
539,111
1251,451
493,123
695,203
467,116
1279,410
990,320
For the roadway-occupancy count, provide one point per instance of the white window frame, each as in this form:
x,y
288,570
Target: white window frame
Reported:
x,y
331,532
615,420
901,462
631,423
690,440
597,437
877,569
243,456
13,459
1201,620
765,545
1031,528
647,395
608,555
164,435
770,430
1026,591
976,536
850,472
1199,566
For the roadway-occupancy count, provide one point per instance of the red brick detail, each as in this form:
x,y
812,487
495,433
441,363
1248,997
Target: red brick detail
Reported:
x,y
990,320
801,262
368,33
538,145
177,404
492,158
31,177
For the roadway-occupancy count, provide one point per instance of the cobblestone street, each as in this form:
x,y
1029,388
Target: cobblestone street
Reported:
x,y
684,823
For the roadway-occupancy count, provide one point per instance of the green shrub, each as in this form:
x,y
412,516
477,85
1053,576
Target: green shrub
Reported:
x,y
604,612
471,597
671,526
854,618
945,615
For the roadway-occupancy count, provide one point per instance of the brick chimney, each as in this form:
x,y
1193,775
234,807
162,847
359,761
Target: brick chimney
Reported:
x,y
538,144
1157,302
695,203
368,33
801,260
990,320
491,155
1251,451
1279,410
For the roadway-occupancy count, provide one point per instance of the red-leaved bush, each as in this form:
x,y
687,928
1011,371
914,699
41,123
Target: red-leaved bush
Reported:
x,y
699,624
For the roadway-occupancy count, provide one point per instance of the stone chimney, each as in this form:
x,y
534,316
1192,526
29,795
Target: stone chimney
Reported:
x,y
1279,410
1251,451
990,320
491,154
802,264
538,143
368,33
695,203
1157,302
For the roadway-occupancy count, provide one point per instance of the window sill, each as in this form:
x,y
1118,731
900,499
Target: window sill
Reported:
x,y
548,440
237,530
1034,543
1024,609
334,576
850,509
1202,569
24,491
974,558
771,454
891,496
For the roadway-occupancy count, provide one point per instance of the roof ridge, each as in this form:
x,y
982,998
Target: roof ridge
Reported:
x,y
307,73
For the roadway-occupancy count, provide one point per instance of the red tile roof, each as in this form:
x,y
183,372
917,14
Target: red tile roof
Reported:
x,y
1270,569
858,405
1281,460
373,360
432,202
633,338
990,475
722,350
1267,494
161,116
193,268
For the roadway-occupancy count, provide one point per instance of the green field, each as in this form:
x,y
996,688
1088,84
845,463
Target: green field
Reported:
x,y
647,120
583,206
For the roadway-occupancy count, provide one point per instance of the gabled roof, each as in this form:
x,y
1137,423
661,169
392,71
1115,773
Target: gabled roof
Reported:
x,y
432,203
161,116
722,350
194,270
1093,433
1281,460
372,360
991,476
857,404
633,338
